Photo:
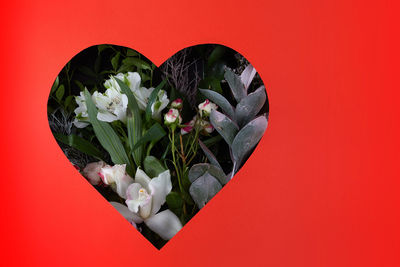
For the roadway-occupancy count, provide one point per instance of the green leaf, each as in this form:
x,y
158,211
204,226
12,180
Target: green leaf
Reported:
x,y
68,103
154,134
131,53
236,85
134,61
60,92
249,106
102,47
215,55
247,139
134,122
115,61
55,85
107,136
224,126
152,166
203,189
175,203
221,101
80,144
153,98
79,84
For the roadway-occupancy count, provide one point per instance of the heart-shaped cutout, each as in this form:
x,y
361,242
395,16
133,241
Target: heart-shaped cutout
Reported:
x,y
158,143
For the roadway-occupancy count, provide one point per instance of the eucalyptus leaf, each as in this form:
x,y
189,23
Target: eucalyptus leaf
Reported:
x,y
200,169
152,166
106,135
247,139
249,106
80,144
224,126
210,156
247,76
221,101
203,189
236,85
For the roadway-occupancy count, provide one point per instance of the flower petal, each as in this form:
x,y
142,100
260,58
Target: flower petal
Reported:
x,y
159,188
166,224
142,178
126,213
132,196
122,185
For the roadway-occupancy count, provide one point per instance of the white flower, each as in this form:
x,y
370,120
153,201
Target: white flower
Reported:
x,y
117,178
172,117
111,105
92,170
206,107
81,116
144,199
158,105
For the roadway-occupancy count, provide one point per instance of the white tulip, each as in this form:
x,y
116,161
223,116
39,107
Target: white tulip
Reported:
x,y
144,199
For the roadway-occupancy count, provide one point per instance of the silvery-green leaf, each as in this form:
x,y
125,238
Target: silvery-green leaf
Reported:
x,y
197,170
203,189
213,160
236,85
152,166
224,125
218,173
248,108
220,101
247,76
247,139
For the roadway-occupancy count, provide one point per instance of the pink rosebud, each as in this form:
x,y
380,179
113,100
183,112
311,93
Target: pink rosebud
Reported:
x,y
206,107
92,170
177,103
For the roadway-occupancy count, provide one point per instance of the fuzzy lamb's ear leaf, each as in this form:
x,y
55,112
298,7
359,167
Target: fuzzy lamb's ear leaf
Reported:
x,y
107,136
236,85
247,139
221,101
250,106
247,76
203,189
225,126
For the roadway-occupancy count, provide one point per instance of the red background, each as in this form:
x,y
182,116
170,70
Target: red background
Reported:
x,y
322,187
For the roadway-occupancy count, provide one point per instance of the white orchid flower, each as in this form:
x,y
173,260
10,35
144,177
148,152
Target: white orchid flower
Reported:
x,y
111,105
117,178
81,116
144,199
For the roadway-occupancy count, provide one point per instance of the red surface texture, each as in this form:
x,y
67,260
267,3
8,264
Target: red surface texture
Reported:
x,y
321,189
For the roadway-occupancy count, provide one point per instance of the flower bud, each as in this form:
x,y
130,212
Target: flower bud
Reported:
x,y
172,117
92,170
206,107
206,127
188,127
177,104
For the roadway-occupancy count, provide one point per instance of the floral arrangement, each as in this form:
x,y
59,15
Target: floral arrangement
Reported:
x,y
150,151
